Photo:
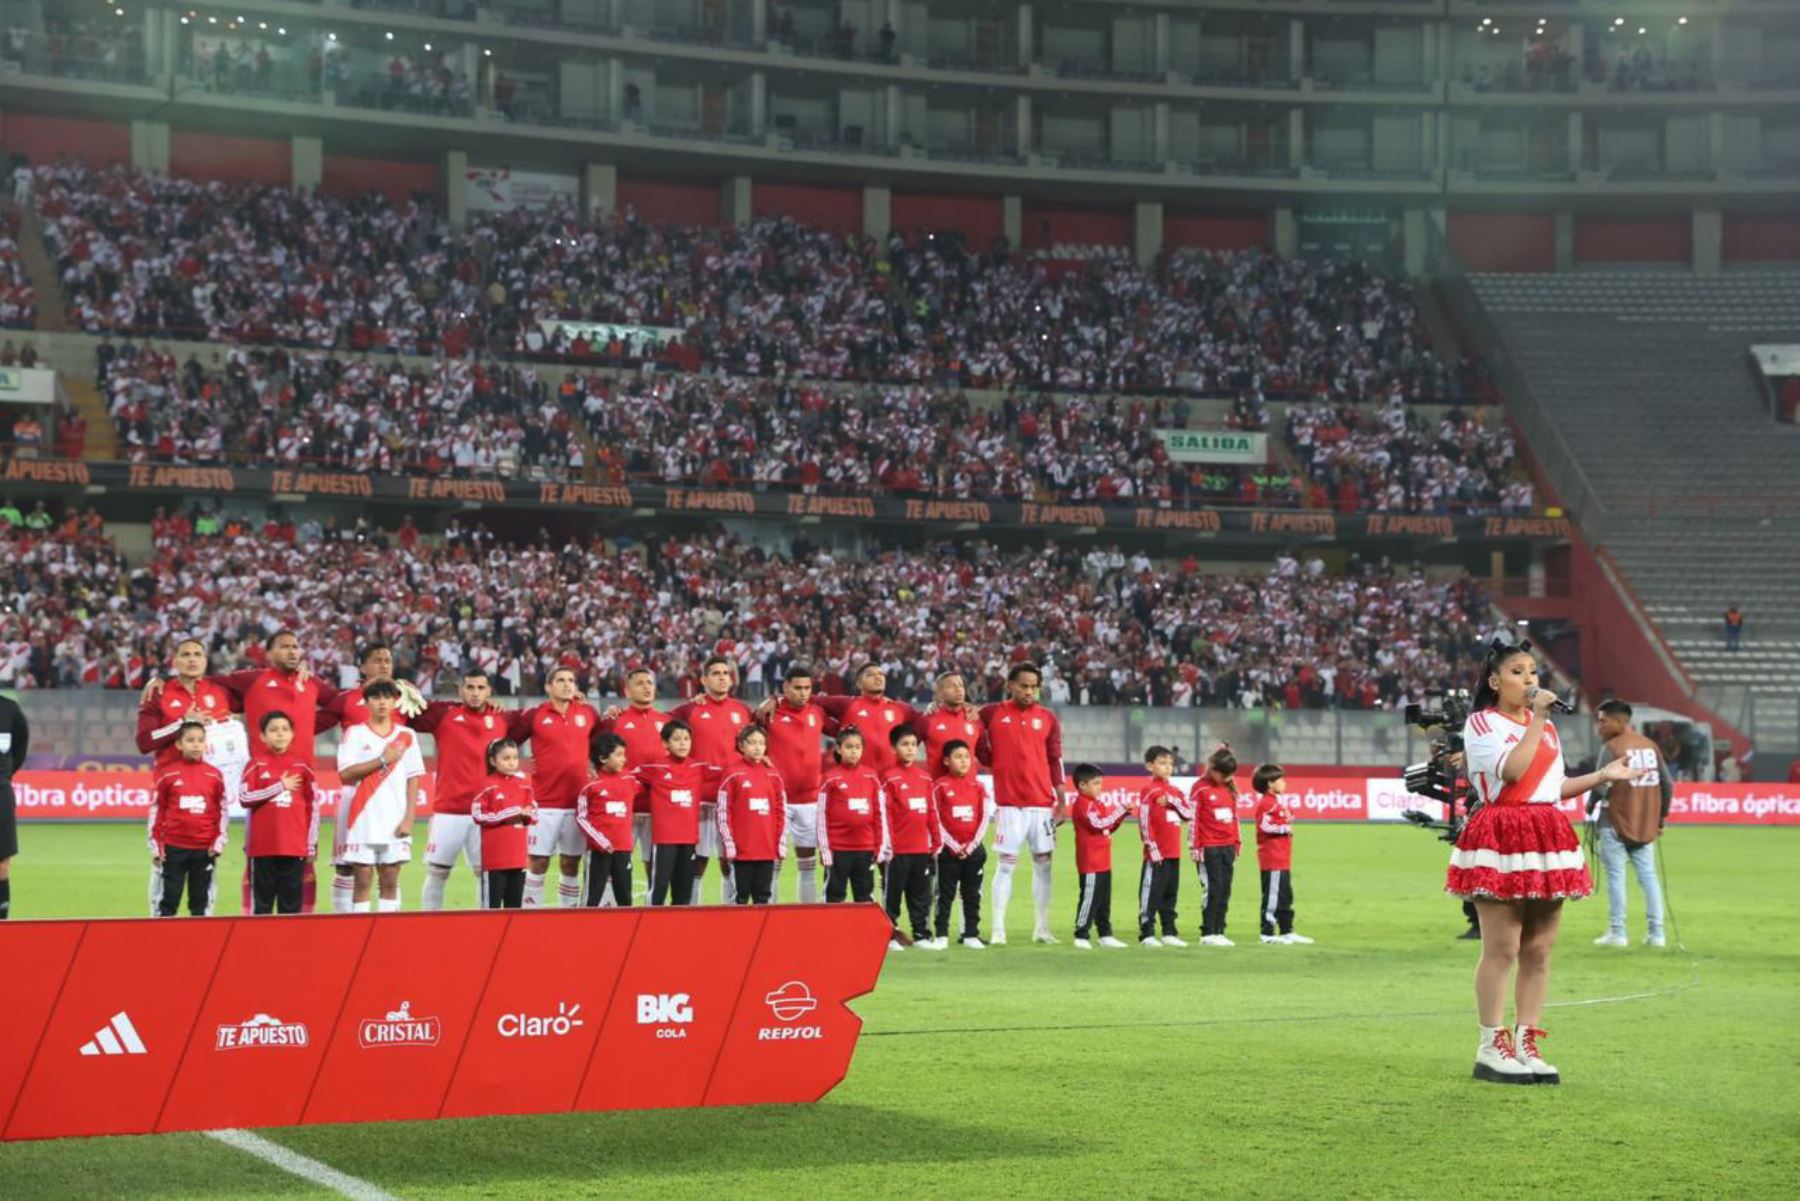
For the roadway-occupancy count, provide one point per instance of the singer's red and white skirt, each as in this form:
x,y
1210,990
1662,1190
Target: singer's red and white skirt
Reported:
x,y
1518,853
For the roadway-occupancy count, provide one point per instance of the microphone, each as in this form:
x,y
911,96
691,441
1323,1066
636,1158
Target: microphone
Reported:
x,y
1556,706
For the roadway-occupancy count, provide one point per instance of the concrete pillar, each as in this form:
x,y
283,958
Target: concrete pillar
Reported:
x,y
615,88
306,162
1429,40
878,211
1709,239
734,201
1146,231
1159,132
1287,231
1296,48
456,190
162,42
759,21
1564,237
895,118
1415,240
600,188
1024,48
150,146
1012,220
759,103
1574,44
1022,125
1718,157
1576,153
1160,36
1296,137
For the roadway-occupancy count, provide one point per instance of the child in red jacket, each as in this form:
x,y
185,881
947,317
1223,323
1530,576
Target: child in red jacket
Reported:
x,y
853,829
964,811
604,810
752,819
1095,819
187,824
1216,841
1161,811
1275,856
503,809
913,840
281,794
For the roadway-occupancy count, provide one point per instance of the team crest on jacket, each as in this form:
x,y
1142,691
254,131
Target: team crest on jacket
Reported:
x,y
580,721
737,719
1037,723
488,720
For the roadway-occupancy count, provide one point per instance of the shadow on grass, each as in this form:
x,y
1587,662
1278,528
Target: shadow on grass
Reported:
x,y
414,1157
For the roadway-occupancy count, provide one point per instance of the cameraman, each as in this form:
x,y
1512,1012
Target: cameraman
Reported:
x,y
1454,761
1629,818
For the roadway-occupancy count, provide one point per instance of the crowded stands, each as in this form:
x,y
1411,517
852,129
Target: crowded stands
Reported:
x,y
1110,628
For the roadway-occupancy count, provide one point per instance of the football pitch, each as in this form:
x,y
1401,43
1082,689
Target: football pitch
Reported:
x,y
1340,1069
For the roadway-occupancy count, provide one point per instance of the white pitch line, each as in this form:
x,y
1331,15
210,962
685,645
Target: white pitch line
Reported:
x,y
296,1164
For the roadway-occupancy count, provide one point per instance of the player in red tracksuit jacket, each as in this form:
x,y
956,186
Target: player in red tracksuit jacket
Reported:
x,y
461,731
640,724
504,810
1275,856
752,809
796,726
949,719
1095,819
874,713
187,824
853,824
281,793
913,840
605,813
1161,810
1216,841
559,730
1023,745
715,718
964,811
676,787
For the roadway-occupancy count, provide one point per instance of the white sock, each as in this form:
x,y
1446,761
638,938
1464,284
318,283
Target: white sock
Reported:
x,y
343,893
156,890
388,905
534,890
1041,878
1003,890
359,906
432,897
568,892
607,900
727,890
809,883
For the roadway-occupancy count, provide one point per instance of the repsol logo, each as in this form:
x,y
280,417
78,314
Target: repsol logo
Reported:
x,y
788,1034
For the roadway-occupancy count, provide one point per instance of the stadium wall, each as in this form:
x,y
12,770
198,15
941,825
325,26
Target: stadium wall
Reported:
x,y
350,175
1659,240
45,139
1504,241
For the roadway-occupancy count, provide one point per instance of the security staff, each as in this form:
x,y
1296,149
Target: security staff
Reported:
x,y
15,740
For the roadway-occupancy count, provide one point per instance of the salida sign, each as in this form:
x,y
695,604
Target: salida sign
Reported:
x,y
409,1016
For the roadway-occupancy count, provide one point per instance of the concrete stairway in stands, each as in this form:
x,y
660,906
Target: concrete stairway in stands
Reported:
x,y
53,317
1646,376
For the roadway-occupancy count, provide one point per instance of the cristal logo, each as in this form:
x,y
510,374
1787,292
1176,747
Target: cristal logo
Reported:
x,y
260,1031
525,1025
400,1029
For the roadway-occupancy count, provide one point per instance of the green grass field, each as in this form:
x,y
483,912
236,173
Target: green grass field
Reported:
x,y
1340,1069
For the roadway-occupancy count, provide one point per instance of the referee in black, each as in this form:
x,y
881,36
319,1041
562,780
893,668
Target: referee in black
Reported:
x,y
15,740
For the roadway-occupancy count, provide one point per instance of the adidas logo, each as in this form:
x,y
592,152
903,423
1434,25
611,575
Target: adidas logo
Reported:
x,y
117,1037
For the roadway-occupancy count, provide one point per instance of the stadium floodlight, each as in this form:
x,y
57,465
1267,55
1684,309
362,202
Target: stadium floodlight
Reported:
x,y
1681,20
1642,31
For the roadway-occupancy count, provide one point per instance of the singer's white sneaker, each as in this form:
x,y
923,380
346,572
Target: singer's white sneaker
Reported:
x,y
1110,941
1609,939
1082,944
1497,1062
1169,940
1525,1038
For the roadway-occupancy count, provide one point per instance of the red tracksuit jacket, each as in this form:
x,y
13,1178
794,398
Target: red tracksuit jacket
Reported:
x,y
1024,748
676,791
282,822
603,810
1161,811
752,814
188,808
1214,808
1274,834
715,725
496,809
852,815
462,735
963,810
939,728
1096,819
911,815
159,718
876,717
559,751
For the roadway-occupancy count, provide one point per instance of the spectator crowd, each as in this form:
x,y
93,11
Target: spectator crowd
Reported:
x,y
1109,628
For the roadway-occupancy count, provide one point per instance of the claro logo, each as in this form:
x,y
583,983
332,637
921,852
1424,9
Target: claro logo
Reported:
x,y
668,1012
526,1025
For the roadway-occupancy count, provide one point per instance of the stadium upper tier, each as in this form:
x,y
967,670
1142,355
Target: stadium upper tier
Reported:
x,y
1109,629
1408,97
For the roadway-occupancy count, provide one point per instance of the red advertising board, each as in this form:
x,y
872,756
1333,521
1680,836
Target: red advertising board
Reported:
x,y
280,1021
124,794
